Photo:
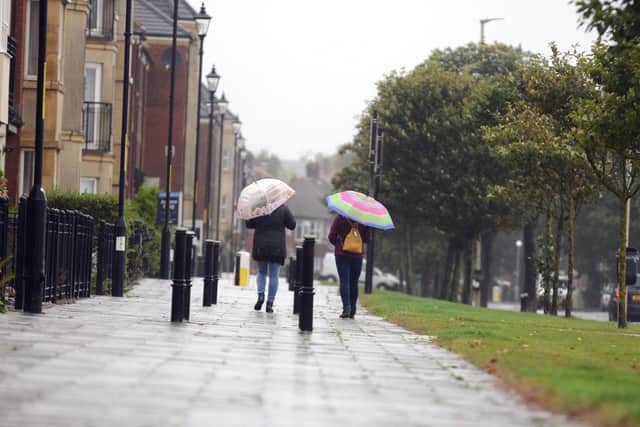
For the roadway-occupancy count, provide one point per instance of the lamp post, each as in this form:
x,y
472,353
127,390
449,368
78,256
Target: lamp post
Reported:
x,y
202,24
120,231
373,148
482,23
213,79
165,249
516,287
37,202
238,148
222,107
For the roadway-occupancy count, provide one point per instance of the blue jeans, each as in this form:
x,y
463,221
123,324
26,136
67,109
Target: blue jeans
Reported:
x,y
272,269
349,268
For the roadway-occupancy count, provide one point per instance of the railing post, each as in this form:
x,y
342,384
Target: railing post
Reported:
x,y
305,320
187,274
4,237
297,281
20,250
177,287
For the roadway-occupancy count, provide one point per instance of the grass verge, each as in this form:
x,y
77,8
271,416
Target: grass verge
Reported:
x,y
585,368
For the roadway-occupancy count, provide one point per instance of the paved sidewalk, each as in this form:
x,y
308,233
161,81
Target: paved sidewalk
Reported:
x,y
120,362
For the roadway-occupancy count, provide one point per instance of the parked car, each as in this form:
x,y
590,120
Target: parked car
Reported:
x,y
633,303
380,280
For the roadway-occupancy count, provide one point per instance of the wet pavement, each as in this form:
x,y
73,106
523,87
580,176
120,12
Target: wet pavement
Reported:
x,y
119,362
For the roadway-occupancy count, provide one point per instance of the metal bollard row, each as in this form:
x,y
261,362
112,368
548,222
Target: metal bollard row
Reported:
x,y
211,271
306,292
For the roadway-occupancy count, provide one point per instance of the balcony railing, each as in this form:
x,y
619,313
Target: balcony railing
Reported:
x,y
100,20
96,122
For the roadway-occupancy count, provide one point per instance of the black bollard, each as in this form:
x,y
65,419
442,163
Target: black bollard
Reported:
x,y
297,282
208,273
177,287
305,320
216,271
236,279
187,274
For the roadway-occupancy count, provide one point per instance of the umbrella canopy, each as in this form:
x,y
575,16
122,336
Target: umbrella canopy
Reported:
x,y
361,208
262,197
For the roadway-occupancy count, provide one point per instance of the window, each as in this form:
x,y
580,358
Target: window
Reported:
x,y
33,25
223,209
95,16
26,171
88,185
225,159
5,16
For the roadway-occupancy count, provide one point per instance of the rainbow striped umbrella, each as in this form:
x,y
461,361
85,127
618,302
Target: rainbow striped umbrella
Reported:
x,y
361,208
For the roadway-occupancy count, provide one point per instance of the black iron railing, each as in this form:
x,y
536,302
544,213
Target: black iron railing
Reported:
x,y
68,254
96,122
100,20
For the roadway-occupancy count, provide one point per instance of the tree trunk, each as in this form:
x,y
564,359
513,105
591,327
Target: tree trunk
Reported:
x,y
448,271
568,303
454,287
557,248
486,261
530,271
546,271
622,265
468,271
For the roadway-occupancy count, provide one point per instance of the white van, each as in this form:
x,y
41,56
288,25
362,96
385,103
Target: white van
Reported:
x,y
380,280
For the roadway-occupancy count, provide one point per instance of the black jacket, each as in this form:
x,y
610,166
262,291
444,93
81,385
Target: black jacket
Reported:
x,y
269,242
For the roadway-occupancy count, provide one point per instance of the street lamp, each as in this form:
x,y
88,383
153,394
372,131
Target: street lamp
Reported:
x,y
219,183
165,249
222,108
516,287
37,202
238,148
373,148
120,231
202,24
213,79
484,21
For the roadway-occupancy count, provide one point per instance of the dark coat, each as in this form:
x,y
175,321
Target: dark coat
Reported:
x,y
340,227
269,243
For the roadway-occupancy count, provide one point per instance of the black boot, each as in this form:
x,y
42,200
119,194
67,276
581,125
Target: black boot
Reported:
x,y
258,305
269,307
346,312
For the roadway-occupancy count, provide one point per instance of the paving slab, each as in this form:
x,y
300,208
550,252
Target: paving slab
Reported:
x,y
107,361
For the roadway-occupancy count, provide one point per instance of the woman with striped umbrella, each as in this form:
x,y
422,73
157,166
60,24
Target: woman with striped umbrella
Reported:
x,y
350,230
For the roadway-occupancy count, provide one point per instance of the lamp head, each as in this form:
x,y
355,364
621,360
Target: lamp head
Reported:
x,y
213,79
222,104
202,21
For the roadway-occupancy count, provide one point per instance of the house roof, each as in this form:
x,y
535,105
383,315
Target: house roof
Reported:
x,y
308,202
157,20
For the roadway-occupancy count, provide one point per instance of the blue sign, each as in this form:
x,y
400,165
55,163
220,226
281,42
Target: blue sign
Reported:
x,y
175,202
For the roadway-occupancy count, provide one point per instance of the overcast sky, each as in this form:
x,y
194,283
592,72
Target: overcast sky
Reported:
x,y
299,72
